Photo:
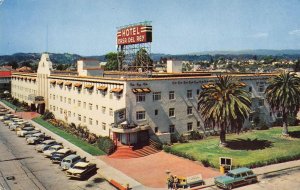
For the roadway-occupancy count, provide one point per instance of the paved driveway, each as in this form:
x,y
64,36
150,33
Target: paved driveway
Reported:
x,y
151,170
33,171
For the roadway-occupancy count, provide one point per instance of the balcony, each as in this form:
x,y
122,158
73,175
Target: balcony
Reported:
x,y
129,128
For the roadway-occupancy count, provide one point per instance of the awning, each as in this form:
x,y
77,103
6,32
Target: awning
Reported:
x,y
33,79
29,79
103,88
141,90
60,82
117,90
89,86
78,85
53,81
68,84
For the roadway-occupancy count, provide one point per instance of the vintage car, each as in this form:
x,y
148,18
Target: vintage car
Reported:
x,y
69,161
236,177
22,133
52,149
57,156
37,138
81,170
45,145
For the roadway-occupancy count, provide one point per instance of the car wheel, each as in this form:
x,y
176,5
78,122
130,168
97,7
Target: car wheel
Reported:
x,y
229,187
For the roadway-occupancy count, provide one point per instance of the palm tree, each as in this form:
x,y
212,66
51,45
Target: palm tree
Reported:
x,y
224,104
283,95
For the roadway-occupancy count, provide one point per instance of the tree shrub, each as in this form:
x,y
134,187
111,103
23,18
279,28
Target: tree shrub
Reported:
x,y
205,163
48,115
106,144
195,135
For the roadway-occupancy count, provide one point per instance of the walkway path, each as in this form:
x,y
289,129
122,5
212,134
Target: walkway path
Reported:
x,y
151,170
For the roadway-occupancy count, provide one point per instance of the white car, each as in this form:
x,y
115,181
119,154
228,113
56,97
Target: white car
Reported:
x,y
45,145
22,133
54,148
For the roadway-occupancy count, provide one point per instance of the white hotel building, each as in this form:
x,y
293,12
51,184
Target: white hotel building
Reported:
x,y
128,107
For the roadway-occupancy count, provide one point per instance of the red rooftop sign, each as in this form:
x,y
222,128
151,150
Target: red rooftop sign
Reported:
x,y
134,35
5,73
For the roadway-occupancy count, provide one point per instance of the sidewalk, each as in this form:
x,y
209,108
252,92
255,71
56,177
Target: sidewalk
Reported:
x,y
104,170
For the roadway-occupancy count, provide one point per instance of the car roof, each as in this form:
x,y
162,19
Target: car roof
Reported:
x,y
48,141
70,157
240,170
56,146
63,150
82,164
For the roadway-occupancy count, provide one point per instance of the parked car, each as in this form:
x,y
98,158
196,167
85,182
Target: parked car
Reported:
x,y
21,127
22,133
81,170
4,118
57,156
45,145
7,122
69,161
236,177
37,138
52,149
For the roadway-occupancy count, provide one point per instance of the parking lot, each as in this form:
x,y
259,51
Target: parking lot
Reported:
x,y
21,167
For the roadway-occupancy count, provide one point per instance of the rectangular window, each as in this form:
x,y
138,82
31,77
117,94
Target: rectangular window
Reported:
x,y
103,126
84,119
189,110
189,94
50,107
261,88
171,95
97,107
155,112
90,121
140,97
103,109
190,126
110,111
79,103
90,106
156,129
198,91
121,114
172,128
50,96
69,113
61,98
84,104
140,115
250,118
97,122
261,102
69,100
250,88
198,123
61,110
172,112
156,96
79,117
53,108
65,99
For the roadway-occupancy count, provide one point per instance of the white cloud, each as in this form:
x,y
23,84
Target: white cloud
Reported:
x,y
295,32
260,35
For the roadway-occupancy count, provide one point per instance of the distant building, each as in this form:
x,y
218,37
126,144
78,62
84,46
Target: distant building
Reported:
x,y
128,107
5,78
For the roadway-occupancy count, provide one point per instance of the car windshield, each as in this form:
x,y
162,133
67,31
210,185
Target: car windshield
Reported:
x,y
79,167
230,174
67,161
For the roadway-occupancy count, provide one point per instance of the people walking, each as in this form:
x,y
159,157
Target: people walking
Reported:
x,y
170,182
175,182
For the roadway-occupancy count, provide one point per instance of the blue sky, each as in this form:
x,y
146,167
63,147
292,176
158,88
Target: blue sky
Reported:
x,y
88,27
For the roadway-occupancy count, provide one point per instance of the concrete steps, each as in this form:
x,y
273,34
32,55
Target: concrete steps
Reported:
x,y
126,152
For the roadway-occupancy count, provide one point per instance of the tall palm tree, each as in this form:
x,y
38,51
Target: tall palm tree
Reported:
x,y
224,104
283,95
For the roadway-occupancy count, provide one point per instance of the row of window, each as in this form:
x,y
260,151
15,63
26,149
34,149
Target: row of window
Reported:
x,y
24,89
90,91
141,115
79,117
103,108
141,97
189,127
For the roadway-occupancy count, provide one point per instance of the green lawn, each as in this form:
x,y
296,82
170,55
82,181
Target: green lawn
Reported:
x,y
71,138
250,149
8,104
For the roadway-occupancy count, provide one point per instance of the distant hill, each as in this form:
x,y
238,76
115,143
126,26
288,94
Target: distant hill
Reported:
x,y
67,58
